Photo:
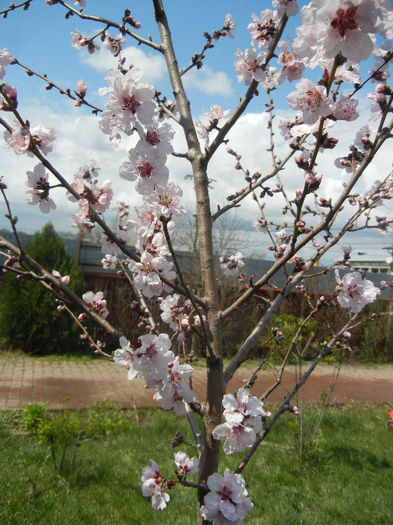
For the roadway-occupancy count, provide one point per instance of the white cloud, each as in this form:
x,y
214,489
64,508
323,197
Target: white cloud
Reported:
x,y
79,140
152,65
208,81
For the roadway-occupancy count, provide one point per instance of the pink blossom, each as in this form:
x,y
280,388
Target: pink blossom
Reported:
x,y
170,311
97,302
311,99
243,421
292,66
63,279
313,180
147,357
165,200
5,60
354,291
230,264
346,248
287,7
129,100
159,136
82,218
345,109
147,167
146,222
173,391
216,112
202,131
185,464
152,358
18,139
263,29
101,196
147,274
109,261
78,41
153,485
198,321
12,96
336,27
226,502
81,88
248,66
38,189
43,138
229,26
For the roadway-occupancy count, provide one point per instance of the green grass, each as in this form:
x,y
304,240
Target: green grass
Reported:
x,y
51,358
344,477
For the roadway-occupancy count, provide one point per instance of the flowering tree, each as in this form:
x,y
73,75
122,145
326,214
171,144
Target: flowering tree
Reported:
x,y
332,40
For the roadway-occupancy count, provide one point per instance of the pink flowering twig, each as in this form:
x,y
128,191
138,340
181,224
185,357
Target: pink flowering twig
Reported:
x,y
94,344
249,95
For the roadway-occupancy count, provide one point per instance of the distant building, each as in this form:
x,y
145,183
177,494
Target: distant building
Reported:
x,y
371,266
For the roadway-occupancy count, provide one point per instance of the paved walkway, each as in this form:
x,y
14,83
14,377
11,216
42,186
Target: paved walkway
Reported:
x,y
67,384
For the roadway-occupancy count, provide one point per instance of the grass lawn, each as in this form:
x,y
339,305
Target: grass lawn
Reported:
x,y
344,477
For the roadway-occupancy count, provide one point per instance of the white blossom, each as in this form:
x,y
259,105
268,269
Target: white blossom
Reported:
x,y
227,501
185,464
153,486
355,291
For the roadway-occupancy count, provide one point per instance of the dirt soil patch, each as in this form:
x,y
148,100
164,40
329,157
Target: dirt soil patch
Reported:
x,y
68,384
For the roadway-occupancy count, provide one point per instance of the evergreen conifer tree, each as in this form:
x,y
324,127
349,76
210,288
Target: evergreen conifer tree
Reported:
x,y
29,319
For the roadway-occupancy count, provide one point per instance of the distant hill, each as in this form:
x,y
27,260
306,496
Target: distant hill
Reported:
x,y
70,240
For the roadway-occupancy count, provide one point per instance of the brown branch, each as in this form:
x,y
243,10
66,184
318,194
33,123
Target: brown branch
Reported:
x,y
46,277
284,407
12,7
50,85
323,225
253,187
250,93
120,27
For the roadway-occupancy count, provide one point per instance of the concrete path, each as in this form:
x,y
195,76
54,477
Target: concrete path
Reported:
x,y
67,384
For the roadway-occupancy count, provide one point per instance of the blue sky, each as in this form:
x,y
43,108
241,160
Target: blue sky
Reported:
x,y
40,38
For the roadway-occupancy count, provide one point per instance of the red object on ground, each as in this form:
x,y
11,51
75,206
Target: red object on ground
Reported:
x,y
389,424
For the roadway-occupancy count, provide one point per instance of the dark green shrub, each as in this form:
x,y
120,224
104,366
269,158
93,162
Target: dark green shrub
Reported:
x,y
29,319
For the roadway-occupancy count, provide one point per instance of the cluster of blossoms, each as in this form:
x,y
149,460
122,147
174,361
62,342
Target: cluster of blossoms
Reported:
x,y
130,109
227,500
38,189
243,420
19,139
179,317
354,291
150,358
329,29
91,196
250,64
154,484
230,265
